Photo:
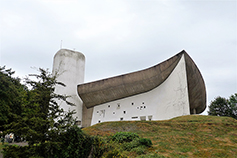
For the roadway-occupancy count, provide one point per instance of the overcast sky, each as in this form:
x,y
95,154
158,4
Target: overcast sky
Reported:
x,y
121,36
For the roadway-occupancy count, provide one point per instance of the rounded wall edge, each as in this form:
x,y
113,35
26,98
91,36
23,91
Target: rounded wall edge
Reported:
x,y
69,67
196,87
69,53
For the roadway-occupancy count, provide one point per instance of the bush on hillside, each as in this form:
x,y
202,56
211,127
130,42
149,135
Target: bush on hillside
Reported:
x,y
75,143
130,145
154,155
114,153
72,143
139,150
145,141
18,151
127,141
98,147
124,137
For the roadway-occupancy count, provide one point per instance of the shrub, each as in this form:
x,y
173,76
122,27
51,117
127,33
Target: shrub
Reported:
x,y
99,147
121,137
145,141
155,155
139,150
18,151
130,145
75,143
72,143
114,153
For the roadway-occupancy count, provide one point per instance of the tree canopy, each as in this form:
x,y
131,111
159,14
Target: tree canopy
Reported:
x,y
41,118
48,129
221,106
12,93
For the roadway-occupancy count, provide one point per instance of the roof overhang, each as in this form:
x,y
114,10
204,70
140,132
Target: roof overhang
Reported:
x,y
114,88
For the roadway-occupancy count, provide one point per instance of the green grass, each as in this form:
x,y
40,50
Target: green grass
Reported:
x,y
1,146
186,136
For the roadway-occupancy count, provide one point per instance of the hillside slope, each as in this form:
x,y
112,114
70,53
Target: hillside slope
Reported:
x,y
186,136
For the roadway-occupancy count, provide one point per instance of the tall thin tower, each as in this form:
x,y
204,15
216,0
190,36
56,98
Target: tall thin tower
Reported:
x,y
69,66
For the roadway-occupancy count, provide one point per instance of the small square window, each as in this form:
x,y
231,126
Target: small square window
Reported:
x,y
113,112
150,117
142,102
97,111
99,121
143,118
144,107
118,105
124,112
132,103
78,122
108,106
121,119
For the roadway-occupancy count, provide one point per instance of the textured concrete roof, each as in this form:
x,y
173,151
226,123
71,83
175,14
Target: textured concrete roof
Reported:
x,y
130,84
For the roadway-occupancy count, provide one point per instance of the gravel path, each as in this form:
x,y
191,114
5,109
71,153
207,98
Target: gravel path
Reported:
x,y
19,143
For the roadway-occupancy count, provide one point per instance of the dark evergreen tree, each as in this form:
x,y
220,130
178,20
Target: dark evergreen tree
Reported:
x,y
49,130
233,105
12,93
41,119
224,107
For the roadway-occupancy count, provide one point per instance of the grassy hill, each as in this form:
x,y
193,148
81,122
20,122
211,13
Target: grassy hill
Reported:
x,y
186,136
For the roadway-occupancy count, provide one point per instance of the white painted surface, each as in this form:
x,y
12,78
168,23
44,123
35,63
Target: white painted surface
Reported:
x,y
70,67
166,101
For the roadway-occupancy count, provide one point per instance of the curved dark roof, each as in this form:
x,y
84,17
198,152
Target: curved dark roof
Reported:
x,y
130,84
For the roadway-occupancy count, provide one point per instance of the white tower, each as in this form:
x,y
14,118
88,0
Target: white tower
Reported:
x,y
70,67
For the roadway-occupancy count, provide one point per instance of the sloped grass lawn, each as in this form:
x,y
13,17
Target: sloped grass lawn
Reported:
x,y
186,136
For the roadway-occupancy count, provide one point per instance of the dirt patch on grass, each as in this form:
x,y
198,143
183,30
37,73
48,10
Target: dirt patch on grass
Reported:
x,y
226,142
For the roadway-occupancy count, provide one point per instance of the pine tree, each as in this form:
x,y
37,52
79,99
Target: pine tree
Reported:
x,y
233,105
42,120
11,96
224,107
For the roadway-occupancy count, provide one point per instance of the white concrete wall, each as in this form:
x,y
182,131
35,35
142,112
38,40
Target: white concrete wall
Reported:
x,y
168,100
70,67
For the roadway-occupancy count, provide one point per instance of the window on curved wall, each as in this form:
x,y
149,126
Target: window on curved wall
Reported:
x,y
102,113
78,122
143,118
150,117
